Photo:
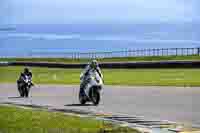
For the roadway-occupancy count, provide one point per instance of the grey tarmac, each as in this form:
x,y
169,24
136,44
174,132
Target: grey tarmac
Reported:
x,y
178,104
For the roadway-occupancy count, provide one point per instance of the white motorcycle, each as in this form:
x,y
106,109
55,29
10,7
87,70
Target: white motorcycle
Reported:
x,y
92,91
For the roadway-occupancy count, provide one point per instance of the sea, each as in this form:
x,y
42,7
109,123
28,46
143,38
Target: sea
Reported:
x,y
24,40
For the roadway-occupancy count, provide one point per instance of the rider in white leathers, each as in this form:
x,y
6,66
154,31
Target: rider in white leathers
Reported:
x,y
93,65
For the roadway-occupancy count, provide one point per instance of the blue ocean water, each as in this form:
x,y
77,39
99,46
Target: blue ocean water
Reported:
x,y
25,40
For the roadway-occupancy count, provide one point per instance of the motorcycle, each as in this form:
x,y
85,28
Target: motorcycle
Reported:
x,y
92,90
25,86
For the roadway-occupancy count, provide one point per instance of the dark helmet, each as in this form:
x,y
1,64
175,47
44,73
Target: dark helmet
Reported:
x,y
26,70
94,64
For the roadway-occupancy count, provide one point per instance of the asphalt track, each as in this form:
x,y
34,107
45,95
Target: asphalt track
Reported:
x,y
177,104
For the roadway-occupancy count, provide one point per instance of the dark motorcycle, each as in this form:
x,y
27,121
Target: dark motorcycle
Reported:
x,y
24,86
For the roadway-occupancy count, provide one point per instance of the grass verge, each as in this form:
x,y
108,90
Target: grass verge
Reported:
x,y
157,77
114,59
18,120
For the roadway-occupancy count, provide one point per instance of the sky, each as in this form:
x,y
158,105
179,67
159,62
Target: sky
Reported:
x,y
98,11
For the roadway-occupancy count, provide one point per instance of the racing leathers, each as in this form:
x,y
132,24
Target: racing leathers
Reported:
x,y
22,76
84,75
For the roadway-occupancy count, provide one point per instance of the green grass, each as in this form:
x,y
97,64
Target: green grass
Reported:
x,y
117,59
18,120
159,77
150,58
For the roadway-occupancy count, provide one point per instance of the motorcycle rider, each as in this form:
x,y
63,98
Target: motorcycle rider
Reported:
x,y
26,72
93,65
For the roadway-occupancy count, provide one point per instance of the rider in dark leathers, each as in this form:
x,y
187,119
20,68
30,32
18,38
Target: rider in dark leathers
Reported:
x,y
22,76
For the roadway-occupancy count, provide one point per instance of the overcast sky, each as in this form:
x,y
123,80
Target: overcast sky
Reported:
x,y
98,11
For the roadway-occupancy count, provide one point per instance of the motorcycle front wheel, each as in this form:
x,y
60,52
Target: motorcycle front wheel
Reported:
x,y
81,99
95,97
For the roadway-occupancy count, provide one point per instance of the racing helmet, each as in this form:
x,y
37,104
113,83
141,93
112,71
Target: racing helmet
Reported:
x,y
26,70
94,64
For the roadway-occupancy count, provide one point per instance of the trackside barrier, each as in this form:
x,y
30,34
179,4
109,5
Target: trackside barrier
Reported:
x,y
116,65
122,53
2,63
